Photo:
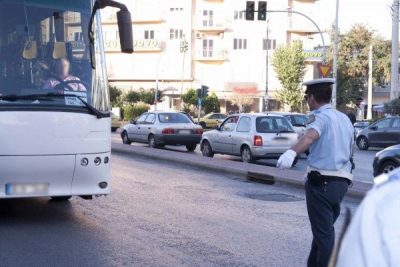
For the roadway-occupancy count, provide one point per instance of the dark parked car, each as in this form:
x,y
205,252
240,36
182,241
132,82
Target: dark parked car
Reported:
x,y
360,125
387,160
383,133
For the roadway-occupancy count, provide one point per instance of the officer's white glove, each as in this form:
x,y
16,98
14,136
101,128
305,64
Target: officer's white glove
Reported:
x,y
286,160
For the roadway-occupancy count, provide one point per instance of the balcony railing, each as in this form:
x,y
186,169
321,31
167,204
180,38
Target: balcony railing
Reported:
x,y
210,25
210,55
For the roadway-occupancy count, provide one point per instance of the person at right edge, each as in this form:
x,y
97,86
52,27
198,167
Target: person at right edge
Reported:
x,y
330,140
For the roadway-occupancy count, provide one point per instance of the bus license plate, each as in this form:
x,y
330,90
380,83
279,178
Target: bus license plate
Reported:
x,y
27,189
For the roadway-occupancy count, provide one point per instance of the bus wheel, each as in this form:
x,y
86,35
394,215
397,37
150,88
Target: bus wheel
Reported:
x,y
62,198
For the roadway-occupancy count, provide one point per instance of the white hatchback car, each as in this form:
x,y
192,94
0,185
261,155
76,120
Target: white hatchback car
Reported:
x,y
298,120
251,136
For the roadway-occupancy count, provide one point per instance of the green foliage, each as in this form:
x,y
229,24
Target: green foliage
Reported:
x,y
132,112
393,107
115,95
353,58
240,100
190,97
211,104
290,66
132,97
148,96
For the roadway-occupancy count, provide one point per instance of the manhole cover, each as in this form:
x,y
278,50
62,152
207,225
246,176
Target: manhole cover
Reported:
x,y
275,197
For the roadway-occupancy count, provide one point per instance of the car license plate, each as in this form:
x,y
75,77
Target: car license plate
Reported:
x,y
27,189
184,131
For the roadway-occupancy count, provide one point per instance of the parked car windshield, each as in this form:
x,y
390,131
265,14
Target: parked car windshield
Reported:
x,y
173,118
297,120
273,125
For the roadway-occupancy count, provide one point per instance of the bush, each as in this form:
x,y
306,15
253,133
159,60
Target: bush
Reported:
x,y
133,112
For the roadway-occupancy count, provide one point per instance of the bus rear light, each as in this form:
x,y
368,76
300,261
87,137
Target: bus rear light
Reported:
x,y
168,131
84,162
97,161
199,131
258,140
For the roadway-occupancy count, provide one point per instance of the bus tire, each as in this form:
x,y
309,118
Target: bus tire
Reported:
x,y
61,198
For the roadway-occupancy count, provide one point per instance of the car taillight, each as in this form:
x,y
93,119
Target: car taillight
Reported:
x,y
199,131
167,131
258,140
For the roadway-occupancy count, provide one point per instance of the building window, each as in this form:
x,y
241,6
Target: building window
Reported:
x,y
175,9
78,36
208,18
148,34
238,15
271,44
175,34
239,44
208,46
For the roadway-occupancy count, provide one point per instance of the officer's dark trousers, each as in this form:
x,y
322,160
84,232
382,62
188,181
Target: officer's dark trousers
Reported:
x,y
323,208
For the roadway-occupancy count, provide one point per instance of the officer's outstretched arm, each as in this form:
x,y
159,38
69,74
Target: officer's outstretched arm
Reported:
x,y
305,141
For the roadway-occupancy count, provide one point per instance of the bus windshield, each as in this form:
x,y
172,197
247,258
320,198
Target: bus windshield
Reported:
x,y
44,50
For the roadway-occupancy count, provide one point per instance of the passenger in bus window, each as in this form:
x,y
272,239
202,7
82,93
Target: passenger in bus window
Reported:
x,y
61,69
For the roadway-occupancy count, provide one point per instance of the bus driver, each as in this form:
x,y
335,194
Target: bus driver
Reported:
x,y
61,68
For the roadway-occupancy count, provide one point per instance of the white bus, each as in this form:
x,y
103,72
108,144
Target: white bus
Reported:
x,y
54,99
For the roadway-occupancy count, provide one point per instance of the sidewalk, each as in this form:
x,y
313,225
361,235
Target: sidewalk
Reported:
x,y
251,172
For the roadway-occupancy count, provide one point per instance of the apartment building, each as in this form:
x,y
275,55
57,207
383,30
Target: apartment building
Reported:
x,y
225,52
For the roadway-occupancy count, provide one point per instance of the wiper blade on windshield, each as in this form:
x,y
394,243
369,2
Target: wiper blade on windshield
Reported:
x,y
13,98
94,111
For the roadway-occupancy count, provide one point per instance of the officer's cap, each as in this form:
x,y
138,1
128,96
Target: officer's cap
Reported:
x,y
320,82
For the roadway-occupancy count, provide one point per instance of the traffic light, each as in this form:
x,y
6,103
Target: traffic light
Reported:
x,y
183,46
262,10
199,93
204,91
250,10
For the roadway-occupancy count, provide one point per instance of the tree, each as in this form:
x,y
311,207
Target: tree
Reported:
x,y
353,59
211,104
132,97
148,96
240,100
290,66
115,95
190,97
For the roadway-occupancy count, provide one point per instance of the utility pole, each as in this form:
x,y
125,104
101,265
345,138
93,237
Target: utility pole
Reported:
x,y
156,93
183,49
394,72
266,96
369,111
335,55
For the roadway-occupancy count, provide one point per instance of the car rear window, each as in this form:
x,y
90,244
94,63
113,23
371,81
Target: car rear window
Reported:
x,y
173,118
273,125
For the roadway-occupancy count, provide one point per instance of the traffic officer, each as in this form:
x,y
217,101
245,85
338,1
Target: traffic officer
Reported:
x,y
329,138
373,237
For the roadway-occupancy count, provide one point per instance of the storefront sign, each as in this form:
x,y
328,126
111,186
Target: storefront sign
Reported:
x,y
313,55
146,44
243,88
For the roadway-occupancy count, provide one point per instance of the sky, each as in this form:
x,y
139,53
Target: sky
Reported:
x,y
375,13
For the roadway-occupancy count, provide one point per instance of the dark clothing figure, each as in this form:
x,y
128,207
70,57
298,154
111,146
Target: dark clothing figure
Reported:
x,y
352,117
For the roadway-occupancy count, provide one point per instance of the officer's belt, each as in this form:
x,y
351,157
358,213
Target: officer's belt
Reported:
x,y
342,173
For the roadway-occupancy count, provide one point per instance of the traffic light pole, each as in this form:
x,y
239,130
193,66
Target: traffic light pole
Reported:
x,y
266,96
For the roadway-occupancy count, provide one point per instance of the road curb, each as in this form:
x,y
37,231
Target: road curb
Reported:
x,y
247,171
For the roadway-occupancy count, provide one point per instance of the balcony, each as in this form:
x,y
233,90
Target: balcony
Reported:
x,y
139,45
210,55
300,24
210,25
147,18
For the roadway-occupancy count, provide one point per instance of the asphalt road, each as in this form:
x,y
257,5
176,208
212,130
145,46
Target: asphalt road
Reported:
x,y
161,214
362,159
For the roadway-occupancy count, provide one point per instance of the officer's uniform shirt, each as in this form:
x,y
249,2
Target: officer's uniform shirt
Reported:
x,y
373,237
334,146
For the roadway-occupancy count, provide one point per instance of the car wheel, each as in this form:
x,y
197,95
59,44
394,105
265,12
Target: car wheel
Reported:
x,y
152,142
62,198
191,147
114,129
203,125
296,159
247,156
362,143
125,138
389,166
207,150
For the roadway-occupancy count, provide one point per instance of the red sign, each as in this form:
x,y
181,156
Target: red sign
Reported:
x,y
245,91
324,69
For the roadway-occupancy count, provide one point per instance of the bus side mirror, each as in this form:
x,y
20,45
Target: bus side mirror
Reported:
x,y
125,31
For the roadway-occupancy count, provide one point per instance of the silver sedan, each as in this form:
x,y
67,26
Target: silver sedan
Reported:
x,y
159,128
250,136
